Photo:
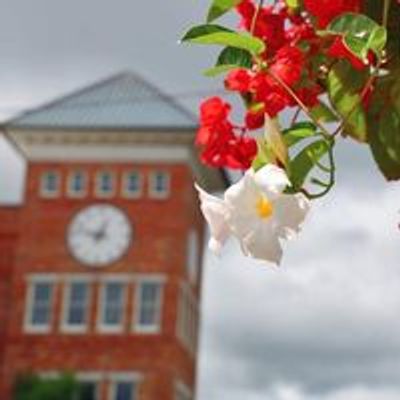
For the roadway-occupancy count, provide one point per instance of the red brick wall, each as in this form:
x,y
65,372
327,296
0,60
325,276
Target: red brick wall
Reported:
x,y
159,246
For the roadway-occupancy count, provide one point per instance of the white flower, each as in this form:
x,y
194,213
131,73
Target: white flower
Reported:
x,y
257,212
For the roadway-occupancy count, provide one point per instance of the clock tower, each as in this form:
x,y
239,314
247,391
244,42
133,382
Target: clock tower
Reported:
x,y
101,263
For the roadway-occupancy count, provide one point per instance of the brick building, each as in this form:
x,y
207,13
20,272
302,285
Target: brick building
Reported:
x,y
100,266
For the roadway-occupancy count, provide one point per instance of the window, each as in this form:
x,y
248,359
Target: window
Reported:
x,y
87,391
112,307
77,184
105,184
76,307
192,261
159,185
124,391
148,307
39,307
132,184
187,318
50,184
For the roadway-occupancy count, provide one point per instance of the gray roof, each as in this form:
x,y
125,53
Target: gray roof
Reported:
x,y
124,101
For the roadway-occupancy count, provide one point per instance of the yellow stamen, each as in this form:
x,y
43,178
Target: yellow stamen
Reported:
x,y
264,207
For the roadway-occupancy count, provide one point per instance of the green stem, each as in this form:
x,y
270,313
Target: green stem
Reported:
x,y
330,184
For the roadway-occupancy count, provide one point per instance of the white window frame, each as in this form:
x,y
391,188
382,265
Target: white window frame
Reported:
x,y
188,318
193,256
182,390
44,192
153,193
156,327
125,183
29,327
71,193
73,328
98,190
116,378
101,326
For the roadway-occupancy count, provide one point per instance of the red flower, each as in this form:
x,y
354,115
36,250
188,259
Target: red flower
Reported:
x,y
221,147
268,91
255,119
238,80
339,50
327,10
288,64
309,95
213,111
269,26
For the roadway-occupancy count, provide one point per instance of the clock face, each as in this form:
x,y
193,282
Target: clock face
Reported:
x,y
99,235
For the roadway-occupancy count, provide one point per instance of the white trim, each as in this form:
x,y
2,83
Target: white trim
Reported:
x,y
106,328
157,326
161,278
125,181
72,328
97,186
153,193
72,193
42,277
43,190
29,327
110,153
95,277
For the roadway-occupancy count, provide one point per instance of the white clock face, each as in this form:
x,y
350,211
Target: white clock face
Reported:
x,y
99,235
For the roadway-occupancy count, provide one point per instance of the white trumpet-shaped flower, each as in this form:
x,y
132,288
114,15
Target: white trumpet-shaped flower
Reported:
x,y
257,212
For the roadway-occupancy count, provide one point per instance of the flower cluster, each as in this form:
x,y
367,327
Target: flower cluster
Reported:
x,y
293,50
320,61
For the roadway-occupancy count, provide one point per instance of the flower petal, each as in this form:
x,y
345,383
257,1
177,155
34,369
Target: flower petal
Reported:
x,y
215,212
290,212
263,243
271,179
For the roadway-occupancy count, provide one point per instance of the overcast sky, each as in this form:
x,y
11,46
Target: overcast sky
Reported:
x,y
326,325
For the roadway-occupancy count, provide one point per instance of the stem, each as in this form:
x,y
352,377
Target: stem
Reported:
x,y
295,116
256,14
385,15
325,133
330,184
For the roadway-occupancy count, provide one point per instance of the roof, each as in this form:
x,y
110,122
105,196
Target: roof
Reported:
x,y
124,101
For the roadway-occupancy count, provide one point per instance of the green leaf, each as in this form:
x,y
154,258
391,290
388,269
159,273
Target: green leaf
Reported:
x,y
264,156
274,139
220,7
373,9
360,33
323,113
305,161
216,35
293,4
234,56
384,125
344,86
220,69
298,132
203,30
